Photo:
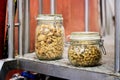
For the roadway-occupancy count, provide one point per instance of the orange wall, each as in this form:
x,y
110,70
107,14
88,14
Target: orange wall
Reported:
x,y
73,14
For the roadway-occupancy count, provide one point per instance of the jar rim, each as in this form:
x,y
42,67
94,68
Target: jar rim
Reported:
x,y
49,17
85,36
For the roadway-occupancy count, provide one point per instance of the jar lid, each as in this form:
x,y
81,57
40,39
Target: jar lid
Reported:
x,y
49,17
85,36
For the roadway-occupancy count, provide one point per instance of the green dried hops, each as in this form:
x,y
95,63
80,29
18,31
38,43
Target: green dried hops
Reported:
x,y
84,55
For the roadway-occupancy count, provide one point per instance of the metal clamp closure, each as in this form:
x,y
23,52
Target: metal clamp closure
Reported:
x,y
102,46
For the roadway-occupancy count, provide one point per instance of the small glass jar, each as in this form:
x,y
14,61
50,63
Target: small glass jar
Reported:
x,y
85,49
49,37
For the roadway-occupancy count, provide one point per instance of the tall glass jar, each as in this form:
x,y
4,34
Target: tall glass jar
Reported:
x,y
85,49
49,37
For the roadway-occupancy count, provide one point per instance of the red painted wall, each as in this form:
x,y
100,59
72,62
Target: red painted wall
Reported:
x,y
2,25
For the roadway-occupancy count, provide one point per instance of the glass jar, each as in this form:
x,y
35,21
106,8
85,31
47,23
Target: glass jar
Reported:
x,y
49,37
85,49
